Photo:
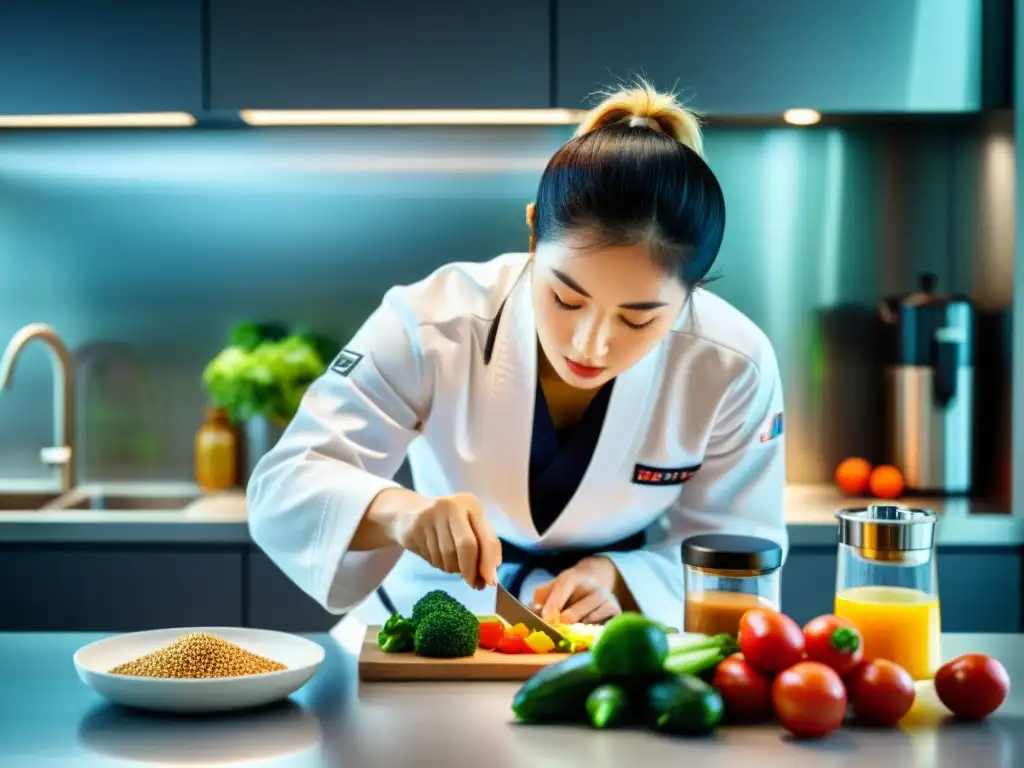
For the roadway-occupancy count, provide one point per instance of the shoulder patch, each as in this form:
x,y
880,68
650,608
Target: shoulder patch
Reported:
x,y
645,475
773,428
345,362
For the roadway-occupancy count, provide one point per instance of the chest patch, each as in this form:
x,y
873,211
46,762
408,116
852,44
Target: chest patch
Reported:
x,y
645,475
345,362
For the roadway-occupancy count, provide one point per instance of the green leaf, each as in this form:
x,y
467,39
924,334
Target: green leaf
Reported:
x,y
264,372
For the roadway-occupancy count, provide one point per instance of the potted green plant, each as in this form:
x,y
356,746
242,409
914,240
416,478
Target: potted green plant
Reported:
x,y
260,377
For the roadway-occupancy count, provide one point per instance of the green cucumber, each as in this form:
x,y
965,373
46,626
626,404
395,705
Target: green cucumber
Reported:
x,y
684,705
631,645
558,692
607,706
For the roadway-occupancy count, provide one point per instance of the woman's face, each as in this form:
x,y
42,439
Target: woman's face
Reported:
x,y
600,310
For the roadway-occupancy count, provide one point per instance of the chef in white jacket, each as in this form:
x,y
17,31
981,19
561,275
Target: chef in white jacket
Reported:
x,y
570,414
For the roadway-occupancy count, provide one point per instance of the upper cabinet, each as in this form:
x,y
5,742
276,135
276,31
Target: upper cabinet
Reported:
x,y
726,57
86,56
737,57
326,54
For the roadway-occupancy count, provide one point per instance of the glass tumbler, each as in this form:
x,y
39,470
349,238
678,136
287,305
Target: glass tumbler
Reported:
x,y
886,584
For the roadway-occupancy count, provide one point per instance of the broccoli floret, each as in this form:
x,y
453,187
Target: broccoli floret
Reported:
x,y
434,600
396,636
448,634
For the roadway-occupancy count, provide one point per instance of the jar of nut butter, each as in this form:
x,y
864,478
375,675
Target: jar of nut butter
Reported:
x,y
725,576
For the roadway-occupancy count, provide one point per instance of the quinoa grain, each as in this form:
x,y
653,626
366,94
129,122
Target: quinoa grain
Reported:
x,y
198,655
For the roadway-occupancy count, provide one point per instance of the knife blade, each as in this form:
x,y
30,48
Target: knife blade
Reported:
x,y
514,612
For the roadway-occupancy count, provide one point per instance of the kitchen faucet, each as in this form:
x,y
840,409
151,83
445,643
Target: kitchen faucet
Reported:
x,y
62,453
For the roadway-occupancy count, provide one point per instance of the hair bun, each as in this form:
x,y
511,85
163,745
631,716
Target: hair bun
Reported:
x,y
642,105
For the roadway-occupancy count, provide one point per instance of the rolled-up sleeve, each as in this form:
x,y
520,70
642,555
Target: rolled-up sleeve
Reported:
x,y
310,492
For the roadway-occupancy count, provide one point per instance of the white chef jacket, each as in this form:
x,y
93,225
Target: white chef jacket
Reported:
x,y
691,443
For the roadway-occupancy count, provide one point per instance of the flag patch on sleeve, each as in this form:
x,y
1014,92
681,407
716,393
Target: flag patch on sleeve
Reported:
x,y
345,362
773,428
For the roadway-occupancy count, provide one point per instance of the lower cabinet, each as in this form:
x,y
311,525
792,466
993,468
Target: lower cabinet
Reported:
x,y
809,583
273,601
127,588
114,589
981,590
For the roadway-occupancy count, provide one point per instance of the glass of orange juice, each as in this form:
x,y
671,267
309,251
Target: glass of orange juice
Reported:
x,y
886,584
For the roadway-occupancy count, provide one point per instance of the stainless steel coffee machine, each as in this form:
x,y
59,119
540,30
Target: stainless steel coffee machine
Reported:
x,y
930,389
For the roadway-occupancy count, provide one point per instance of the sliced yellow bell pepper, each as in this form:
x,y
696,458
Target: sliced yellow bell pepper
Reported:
x,y
519,629
540,642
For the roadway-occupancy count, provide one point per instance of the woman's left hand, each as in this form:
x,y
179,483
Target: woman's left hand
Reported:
x,y
583,593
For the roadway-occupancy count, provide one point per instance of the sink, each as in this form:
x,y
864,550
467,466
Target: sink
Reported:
x,y
114,500
16,501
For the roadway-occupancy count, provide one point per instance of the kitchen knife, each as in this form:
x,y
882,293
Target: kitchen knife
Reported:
x,y
514,612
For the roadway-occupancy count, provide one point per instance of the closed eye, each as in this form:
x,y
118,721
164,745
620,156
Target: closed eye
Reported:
x,y
638,326
562,305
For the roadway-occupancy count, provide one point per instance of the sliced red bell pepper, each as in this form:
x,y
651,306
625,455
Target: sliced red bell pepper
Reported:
x,y
511,643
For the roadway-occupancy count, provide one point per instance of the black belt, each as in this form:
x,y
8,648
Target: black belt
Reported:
x,y
553,561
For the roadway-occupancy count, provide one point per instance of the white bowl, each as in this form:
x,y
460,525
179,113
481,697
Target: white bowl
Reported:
x,y
302,658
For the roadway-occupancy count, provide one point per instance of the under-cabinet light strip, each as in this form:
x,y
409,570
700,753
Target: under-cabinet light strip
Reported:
x,y
412,117
339,117
111,120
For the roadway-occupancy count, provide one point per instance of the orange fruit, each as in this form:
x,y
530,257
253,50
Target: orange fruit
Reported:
x,y
886,482
853,475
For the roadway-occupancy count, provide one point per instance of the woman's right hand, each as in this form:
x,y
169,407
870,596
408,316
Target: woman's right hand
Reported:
x,y
451,533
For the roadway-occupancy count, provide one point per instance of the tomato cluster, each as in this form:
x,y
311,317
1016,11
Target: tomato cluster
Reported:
x,y
808,677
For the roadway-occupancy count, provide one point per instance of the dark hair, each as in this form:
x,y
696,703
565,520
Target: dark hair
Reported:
x,y
628,184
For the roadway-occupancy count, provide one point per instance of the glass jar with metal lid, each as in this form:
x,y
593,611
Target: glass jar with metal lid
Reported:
x,y
887,584
724,577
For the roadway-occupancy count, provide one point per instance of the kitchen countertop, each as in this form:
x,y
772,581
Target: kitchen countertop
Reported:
x,y
213,519
48,717
221,520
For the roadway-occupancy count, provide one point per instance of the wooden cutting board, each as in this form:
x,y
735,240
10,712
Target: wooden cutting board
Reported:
x,y
375,665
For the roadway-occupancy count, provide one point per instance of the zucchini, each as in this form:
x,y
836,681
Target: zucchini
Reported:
x,y
558,693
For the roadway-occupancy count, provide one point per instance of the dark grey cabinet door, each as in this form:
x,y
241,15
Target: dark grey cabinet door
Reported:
x,y
322,54
82,56
743,57
108,589
809,583
980,590
273,601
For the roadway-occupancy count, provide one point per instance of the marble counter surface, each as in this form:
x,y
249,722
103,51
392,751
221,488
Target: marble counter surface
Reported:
x,y
48,717
221,519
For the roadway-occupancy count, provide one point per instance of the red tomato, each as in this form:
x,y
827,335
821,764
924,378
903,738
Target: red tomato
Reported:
x,y
809,699
746,692
834,641
881,692
491,633
770,641
972,686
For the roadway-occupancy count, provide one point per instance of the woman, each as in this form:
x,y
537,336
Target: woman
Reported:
x,y
569,414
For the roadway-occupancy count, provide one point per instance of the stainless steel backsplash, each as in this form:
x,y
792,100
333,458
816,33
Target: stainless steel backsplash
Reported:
x,y
143,248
